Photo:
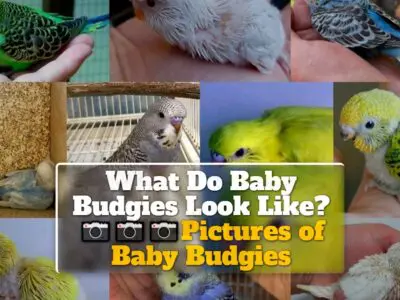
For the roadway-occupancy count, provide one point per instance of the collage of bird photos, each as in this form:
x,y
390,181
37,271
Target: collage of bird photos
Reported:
x,y
200,149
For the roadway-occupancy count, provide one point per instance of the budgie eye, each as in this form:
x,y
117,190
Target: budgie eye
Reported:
x,y
161,115
216,157
151,3
369,125
240,152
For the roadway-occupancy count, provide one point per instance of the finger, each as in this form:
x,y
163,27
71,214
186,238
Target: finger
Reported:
x,y
385,235
82,39
339,295
61,69
301,18
147,291
117,288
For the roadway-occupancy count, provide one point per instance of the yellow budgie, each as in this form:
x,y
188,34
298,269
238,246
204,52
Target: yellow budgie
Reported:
x,y
283,134
371,120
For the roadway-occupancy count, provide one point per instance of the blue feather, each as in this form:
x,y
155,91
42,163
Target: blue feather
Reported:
x,y
102,18
383,24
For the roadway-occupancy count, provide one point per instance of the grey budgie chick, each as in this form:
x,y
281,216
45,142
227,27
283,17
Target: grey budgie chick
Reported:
x,y
156,136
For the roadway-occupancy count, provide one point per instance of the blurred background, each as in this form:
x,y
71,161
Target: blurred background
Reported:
x,y
35,237
96,67
352,158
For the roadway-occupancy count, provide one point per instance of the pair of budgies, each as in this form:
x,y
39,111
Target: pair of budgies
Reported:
x,y
371,121
239,32
374,277
357,24
282,134
33,278
29,188
29,35
202,285
156,137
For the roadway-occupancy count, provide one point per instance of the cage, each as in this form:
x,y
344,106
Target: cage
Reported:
x,y
96,67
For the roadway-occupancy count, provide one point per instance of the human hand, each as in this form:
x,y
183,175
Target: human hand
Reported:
x,y
139,54
361,240
61,68
314,59
128,286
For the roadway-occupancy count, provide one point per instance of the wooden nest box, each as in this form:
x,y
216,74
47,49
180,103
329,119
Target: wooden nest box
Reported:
x,y
32,124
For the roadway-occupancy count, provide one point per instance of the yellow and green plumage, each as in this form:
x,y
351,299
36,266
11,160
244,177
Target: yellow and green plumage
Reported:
x,y
371,120
39,280
8,261
29,35
283,134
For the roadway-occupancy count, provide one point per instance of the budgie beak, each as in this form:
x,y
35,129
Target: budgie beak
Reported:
x,y
347,133
217,158
177,123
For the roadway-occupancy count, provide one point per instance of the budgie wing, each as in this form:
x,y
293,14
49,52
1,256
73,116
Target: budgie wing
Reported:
x,y
384,14
349,26
306,133
392,157
30,35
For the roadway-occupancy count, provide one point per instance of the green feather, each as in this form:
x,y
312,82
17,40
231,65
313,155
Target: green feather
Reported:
x,y
283,134
392,156
29,35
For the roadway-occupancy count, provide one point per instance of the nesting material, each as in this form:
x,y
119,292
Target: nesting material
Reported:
x,y
24,125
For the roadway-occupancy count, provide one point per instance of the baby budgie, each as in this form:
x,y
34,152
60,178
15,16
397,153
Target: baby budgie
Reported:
x,y
39,280
156,137
357,24
371,120
29,35
282,134
241,32
29,189
374,277
33,278
201,285
8,273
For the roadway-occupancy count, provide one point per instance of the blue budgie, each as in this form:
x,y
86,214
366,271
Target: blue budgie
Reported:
x,y
30,188
357,24
201,285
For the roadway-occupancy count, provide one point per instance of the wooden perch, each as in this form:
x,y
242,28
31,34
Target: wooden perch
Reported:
x,y
177,89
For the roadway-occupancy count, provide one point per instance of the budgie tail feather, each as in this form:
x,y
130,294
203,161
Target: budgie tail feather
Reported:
x,y
96,23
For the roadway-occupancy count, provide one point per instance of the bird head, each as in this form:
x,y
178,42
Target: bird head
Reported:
x,y
8,255
164,119
241,142
369,119
176,284
142,6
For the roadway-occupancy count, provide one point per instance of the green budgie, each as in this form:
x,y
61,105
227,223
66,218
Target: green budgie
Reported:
x,y
371,120
33,278
29,35
283,134
8,261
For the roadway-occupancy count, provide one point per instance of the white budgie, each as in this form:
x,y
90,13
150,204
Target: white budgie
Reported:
x,y
375,277
240,32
